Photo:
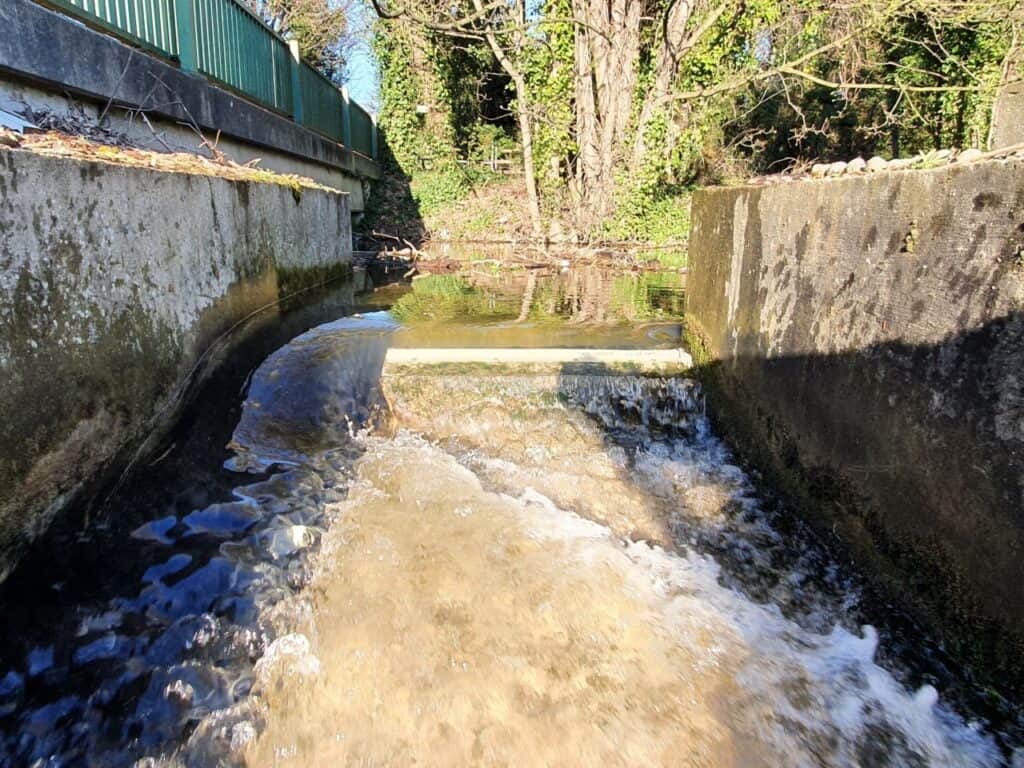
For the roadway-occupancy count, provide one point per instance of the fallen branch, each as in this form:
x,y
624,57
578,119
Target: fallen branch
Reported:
x,y
153,131
416,251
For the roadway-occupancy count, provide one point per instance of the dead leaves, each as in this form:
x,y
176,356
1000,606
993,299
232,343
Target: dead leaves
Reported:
x,y
59,144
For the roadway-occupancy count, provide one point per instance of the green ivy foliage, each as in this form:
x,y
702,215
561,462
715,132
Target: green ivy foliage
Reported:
x,y
434,98
914,51
400,92
972,54
549,70
736,132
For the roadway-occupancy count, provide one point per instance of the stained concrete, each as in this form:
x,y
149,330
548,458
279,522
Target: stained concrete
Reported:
x,y
863,343
116,284
1008,115
111,75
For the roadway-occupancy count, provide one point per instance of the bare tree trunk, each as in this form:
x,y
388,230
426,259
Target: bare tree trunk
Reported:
x,y
522,113
1004,77
607,48
588,161
529,167
674,41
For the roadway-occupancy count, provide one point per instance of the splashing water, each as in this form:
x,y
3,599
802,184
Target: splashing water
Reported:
x,y
532,570
468,612
166,662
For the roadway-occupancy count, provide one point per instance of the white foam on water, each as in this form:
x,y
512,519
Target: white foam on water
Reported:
x,y
523,633
845,700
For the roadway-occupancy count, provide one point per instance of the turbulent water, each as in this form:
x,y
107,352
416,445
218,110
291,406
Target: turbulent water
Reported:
x,y
134,637
465,617
565,568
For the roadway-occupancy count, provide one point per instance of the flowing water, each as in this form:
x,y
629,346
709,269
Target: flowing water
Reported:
x,y
462,568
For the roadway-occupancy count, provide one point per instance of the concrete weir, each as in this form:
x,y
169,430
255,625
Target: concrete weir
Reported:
x,y
861,340
634,360
118,286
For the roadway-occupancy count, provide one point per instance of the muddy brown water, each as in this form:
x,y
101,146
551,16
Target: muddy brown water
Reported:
x,y
465,568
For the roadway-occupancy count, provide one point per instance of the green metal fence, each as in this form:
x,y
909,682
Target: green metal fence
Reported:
x,y
322,109
234,47
362,131
225,41
150,23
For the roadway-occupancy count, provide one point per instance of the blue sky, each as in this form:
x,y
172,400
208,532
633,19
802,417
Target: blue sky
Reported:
x,y
362,68
362,82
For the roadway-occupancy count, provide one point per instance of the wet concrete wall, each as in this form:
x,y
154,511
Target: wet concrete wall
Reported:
x,y
118,288
863,343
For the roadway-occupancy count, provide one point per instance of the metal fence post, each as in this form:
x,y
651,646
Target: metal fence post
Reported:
x,y
373,135
184,19
346,118
293,46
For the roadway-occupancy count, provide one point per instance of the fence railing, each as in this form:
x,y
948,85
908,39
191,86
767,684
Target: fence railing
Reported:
x,y
226,42
363,128
150,23
321,104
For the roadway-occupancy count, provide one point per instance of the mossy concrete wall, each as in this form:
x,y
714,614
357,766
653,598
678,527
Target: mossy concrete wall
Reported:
x,y
115,284
863,343
118,81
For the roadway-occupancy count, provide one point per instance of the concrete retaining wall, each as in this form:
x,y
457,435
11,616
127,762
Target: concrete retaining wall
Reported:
x,y
110,75
863,342
1008,116
115,284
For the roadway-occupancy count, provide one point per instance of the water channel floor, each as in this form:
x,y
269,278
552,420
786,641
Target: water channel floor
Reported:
x,y
512,581
401,563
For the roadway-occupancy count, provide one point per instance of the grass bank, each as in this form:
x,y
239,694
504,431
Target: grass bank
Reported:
x,y
446,206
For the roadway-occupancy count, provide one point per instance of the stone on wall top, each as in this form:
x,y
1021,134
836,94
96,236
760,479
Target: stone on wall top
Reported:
x,y
938,158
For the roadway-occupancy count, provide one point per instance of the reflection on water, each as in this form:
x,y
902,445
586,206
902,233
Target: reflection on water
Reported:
x,y
585,306
558,569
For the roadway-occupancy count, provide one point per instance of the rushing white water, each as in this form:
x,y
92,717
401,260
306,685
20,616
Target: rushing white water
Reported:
x,y
467,611
560,569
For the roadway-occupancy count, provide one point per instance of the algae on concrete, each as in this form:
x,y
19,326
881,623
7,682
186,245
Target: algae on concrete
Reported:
x,y
116,283
877,385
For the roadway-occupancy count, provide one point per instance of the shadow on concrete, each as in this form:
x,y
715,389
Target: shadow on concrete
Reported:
x,y
911,458
83,550
870,494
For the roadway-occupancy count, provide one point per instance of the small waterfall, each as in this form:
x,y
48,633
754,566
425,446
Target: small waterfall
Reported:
x,y
548,568
621,400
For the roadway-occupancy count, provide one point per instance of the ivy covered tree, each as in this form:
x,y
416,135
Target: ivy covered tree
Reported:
x,y
442,103
924,79
620,101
